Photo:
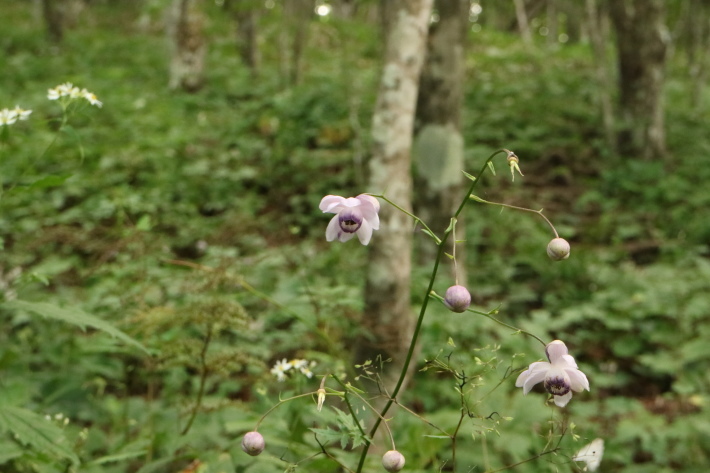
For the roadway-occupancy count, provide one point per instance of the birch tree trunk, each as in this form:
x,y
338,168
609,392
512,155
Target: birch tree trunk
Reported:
x,y
388,316
186,36
641,38
438,144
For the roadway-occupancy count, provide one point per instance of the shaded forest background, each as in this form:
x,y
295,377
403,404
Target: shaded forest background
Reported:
x,y
185,212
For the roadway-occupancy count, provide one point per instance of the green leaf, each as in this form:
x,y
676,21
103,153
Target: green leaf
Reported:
x,y
34,430
54,180
9,450
470,176
490,166
436,238
74,316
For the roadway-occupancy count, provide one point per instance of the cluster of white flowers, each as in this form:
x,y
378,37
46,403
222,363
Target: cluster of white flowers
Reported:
x,y
10,116
282,367
72,92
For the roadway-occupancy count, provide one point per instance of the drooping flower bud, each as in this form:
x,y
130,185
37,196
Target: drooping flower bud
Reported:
x,y
393,460
457,298
558,249
253,443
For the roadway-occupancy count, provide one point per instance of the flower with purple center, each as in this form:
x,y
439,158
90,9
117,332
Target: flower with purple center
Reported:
x,y
353,216
560,376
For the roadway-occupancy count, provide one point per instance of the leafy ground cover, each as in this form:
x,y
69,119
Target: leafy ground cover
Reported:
x,y
190,223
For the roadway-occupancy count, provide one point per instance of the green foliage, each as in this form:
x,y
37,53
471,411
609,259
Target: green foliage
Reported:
x,y
187,224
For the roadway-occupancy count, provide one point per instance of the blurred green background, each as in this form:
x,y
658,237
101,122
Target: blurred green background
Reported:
x,y
190,221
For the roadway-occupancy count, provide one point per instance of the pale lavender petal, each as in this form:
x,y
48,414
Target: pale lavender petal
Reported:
x,y
521,378
370,207
562,401
331,233
371,200
329,202
536,376
578,380
555,350
364,233
345,236
567,360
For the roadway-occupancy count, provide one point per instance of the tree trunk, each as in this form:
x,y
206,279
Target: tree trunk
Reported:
x,y
293,37
522,16
246,15
185,32
53,13
598,30
388,316
438,144
641,46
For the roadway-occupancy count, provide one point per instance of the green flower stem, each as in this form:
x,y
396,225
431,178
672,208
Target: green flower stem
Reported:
x,y
436,296
422,311
204,370
414,217
512,328
281,401
352,412
515,207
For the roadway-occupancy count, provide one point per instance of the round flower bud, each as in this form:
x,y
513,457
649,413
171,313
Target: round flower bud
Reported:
x,y
558,249
253,443
393,460
457,298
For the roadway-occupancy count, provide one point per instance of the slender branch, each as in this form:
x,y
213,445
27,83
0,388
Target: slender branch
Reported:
x,y
515,207
512,327
203,380
546,452
281,402
422,312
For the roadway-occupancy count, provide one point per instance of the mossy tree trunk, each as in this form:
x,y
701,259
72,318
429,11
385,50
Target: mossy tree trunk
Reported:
x,y
185,26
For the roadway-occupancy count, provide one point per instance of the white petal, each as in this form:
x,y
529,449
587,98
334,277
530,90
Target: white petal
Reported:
x,y
555,350
331,233
370,207
562,400
329,202
578,380
364,233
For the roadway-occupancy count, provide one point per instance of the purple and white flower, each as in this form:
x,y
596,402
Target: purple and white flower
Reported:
x,y
560,376
353,216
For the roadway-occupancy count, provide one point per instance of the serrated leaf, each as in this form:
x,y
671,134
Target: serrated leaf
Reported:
x,y
73,316
34,430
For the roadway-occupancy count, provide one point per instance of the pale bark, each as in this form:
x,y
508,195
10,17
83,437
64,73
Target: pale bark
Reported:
x,y
641,42
438,144
523,24
185,24
388,316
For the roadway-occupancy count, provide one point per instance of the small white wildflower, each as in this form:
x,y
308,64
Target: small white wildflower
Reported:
x,y
7,117
280,368
22,114
91,97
